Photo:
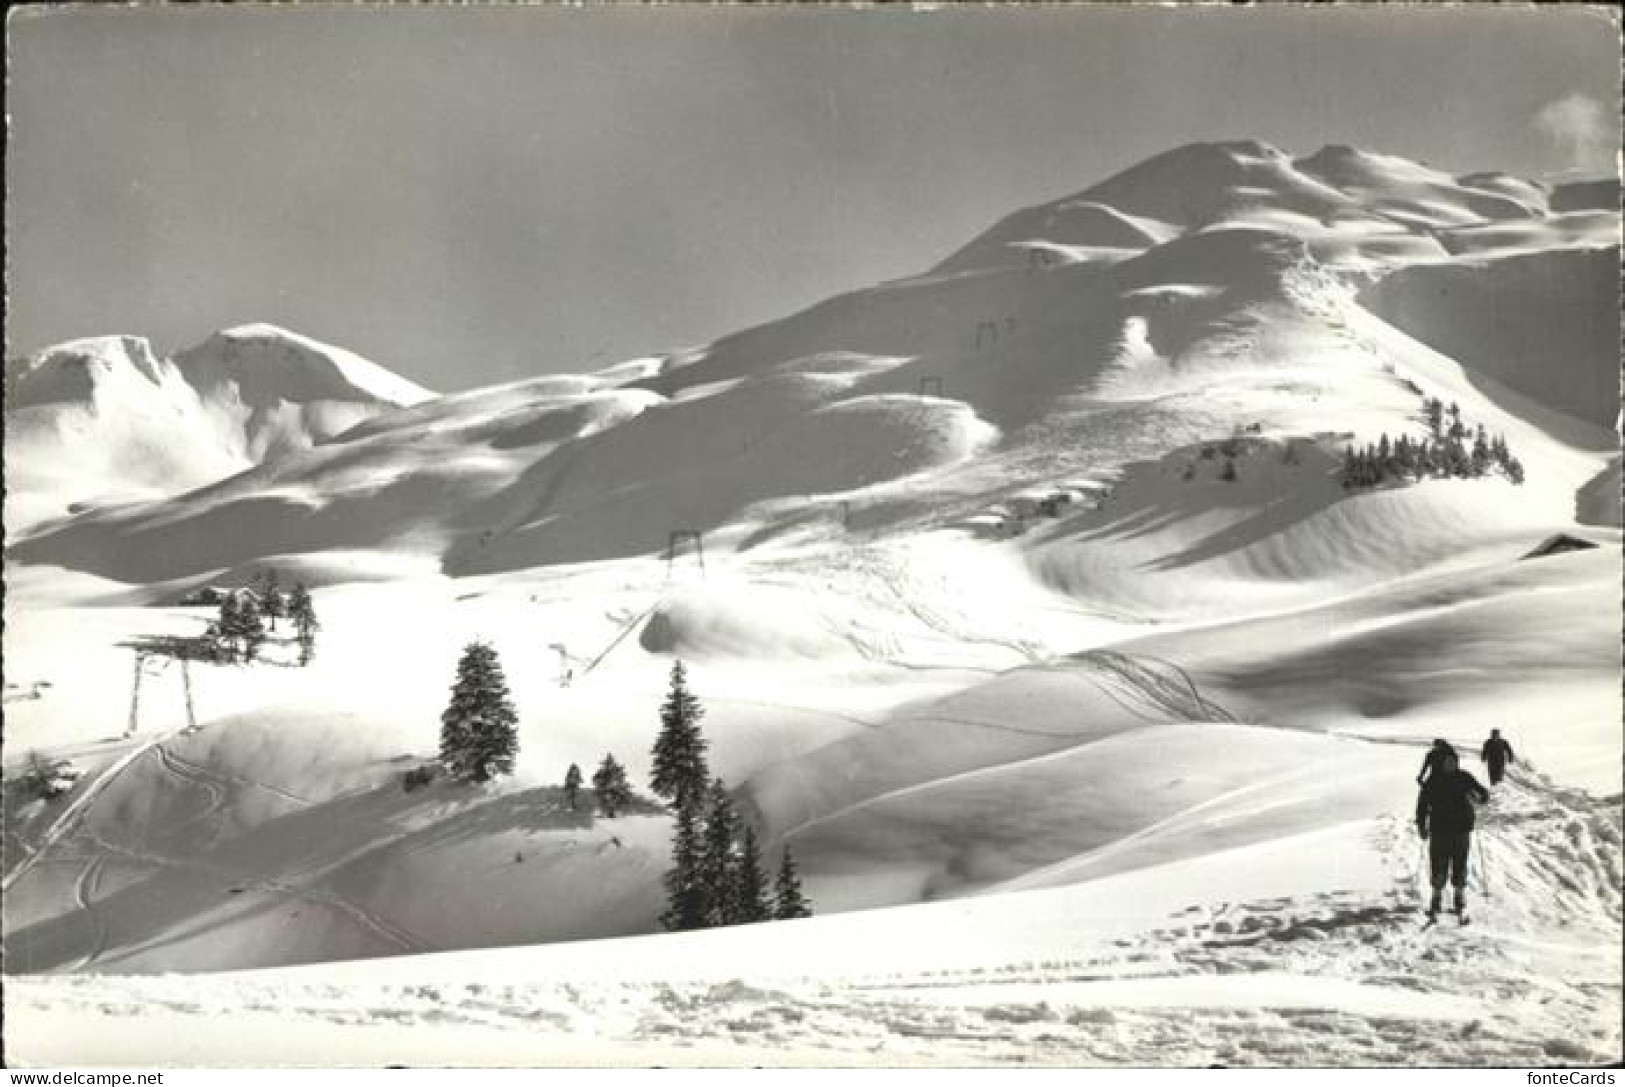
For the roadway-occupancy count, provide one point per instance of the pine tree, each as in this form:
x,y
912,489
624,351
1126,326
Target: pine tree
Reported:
x,y
479,734
572,785
788,902
1514,470
718,859
1404,457
229,626
1431,462
302,611
251,626
1480,456
679,772
610,787
686,902
750,883
1433,411
1356,468
272,606
1457,463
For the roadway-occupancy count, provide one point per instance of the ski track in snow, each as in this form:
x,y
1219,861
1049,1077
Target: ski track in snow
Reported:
x,y
401,941
73,814
212,780
1547,886
194,776
216,788
84,891
1120,674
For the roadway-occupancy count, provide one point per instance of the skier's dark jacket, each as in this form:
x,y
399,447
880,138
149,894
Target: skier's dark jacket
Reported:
x,y
1496,750
1445,805
1433,761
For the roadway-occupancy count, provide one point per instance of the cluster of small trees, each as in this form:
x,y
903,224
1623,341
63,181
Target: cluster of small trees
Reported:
x,y
717,877
241,628
239,631
479,735
610,788
1450,451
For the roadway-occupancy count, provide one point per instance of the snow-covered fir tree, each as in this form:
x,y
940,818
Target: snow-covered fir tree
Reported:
x,y
251,625
228,627
719,857
679,773
610,786
272,604
302,612
788,901
572,786
687,903
1433,413
749,900
479,734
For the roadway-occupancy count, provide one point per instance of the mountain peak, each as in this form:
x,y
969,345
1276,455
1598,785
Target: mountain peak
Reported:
x,y
1196,184
76,370
270,364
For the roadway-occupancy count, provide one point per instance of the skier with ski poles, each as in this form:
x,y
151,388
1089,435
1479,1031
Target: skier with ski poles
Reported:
x,y
1444,818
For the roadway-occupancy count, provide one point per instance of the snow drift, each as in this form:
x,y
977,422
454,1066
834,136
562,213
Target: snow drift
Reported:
x,y
1026,602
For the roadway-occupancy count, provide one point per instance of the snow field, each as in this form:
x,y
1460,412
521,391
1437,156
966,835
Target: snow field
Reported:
x,y
1124,778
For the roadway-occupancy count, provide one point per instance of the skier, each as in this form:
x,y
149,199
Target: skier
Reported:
x,y
1430,762
1444,817
1497,754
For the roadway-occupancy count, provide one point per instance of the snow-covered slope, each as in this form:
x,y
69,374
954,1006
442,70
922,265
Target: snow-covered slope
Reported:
x,y
102,420
939,391
282,392
1026,605
1543,323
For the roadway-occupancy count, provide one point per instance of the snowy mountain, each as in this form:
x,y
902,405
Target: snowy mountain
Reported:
x,y
1030,603
1059,320
105,420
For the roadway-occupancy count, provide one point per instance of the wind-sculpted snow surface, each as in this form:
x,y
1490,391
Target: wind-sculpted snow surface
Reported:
x,y
1543,323
1026,603
1209,965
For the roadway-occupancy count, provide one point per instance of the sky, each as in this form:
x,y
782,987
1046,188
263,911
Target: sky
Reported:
x,y
476,194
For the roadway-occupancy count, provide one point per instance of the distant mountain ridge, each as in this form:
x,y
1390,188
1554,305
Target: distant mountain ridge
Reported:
x,y
1214,287
108,418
